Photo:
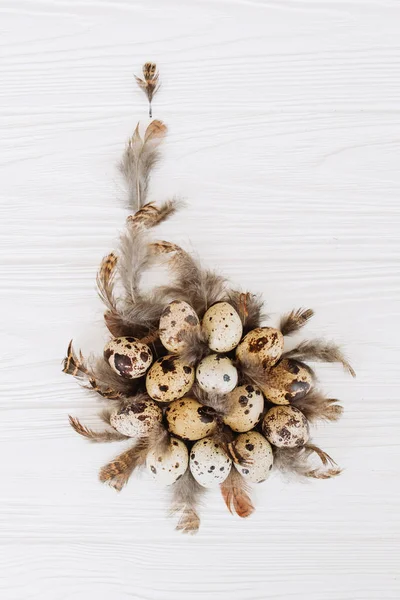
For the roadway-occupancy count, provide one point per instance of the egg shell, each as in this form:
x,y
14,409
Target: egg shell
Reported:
x,y
137,419
285,427
128,357
216,373
190,420
209,464
254,446
223,327
168,467
288,380
262,345
247,404
177,318
169,378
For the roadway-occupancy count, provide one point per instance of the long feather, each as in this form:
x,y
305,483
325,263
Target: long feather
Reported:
x,y
295,320
138,160
320,350
249,308
235,492
295,461
150,83
117,472
316,406
186,497
95,436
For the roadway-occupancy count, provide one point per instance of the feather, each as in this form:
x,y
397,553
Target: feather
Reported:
x,y
105,281
219,403
235,492
186,496
196,346
249,308
150,83
294,461
151,215
315,405
320,350
295,320
95,436
138,160
198,287
164,247
117,472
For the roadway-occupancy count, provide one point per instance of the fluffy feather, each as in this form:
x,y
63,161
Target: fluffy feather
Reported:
x,y
150,83
186,497
196,346
138,160
151,215
249,307
197,286
95,436
235,492
220,403
295,320
117,472
315,405
295,461
322,351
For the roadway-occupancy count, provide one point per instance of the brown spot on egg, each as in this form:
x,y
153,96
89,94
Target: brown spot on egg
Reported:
x,y
123,364
191,320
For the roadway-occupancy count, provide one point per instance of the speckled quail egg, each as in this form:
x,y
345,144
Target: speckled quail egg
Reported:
x,y
177,318
169,378
247,404
208,463
288,380
262,345
137,419
254,446
223,327
190,420
285,427
216,373
128,357
167,467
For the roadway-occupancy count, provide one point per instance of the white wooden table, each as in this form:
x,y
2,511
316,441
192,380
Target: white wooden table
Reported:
x,y
285,137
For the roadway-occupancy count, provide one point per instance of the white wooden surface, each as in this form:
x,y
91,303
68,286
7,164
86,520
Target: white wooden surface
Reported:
x,y
285,137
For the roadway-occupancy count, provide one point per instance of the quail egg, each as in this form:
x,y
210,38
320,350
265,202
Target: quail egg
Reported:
x,y
169,466
285,427
223,327
208,463
137,419
288,380
262,345
189,419
169,378
128,357
216,373
254,446
177,318
247,404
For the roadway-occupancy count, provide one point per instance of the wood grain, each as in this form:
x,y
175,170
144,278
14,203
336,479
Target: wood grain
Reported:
x,y
285,138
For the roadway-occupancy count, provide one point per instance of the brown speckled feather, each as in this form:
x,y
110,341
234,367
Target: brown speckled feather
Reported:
x,y
150,83
235,492
95,436
320,350
295,320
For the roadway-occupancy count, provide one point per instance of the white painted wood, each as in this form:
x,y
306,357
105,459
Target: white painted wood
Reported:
x,y
284,136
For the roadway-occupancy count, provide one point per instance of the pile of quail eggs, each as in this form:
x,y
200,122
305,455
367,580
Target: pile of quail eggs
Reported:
x,y
258,418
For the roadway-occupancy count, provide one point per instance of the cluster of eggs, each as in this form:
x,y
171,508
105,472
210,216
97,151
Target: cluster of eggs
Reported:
x,y
192,424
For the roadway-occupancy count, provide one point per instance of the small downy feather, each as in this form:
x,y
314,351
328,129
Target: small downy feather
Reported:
x,y
197,286
196,346
235,492
322,351
117,472
317,406
150,83
186,497
138,160
295,320
219,403
96,436
151,215
249,308
295,461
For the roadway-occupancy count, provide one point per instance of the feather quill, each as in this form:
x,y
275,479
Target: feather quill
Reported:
x,y
235,492
138,160
150,83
